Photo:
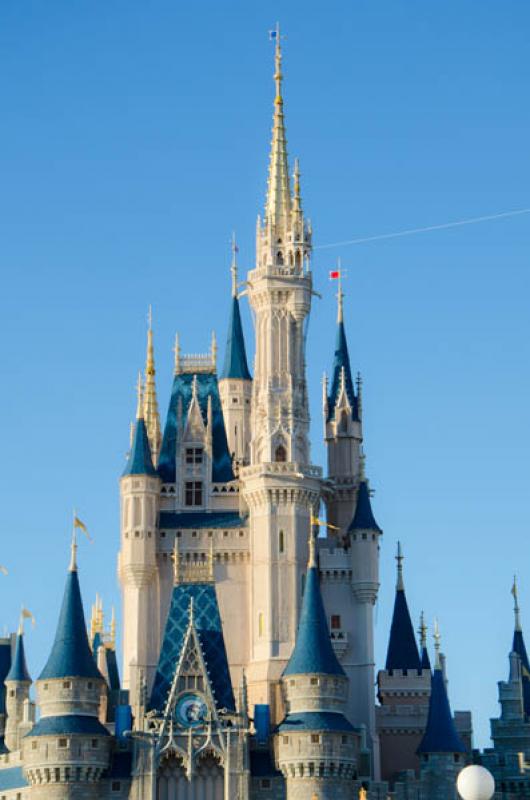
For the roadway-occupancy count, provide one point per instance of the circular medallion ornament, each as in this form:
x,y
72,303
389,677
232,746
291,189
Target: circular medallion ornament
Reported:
x,y
191,710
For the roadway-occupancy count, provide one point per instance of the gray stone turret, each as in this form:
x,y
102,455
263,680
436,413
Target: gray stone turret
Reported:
x,y
67,751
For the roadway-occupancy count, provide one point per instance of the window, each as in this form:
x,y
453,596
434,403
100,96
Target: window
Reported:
x,y
261,624
265,783
115,786
314,681
62,743
90,685
281,453
193,493
94,743
286,740
194,455
67,684
335,622
281,542
315,738
34,745
344,739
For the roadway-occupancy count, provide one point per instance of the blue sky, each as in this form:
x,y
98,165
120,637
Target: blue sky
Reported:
x,y
134,139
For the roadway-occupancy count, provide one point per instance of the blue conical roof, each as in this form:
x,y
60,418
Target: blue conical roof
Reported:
x,y
425,660
313,651
363,519
402,648
235,365
19,670
341,359
140,461
71,656
440,734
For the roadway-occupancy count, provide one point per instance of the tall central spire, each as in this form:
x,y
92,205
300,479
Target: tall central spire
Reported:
x,y
278,205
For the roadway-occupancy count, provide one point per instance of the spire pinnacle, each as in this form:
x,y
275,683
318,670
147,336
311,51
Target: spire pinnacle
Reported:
x,y
150,401
297,196
400,586
278,205
340,294
422,630
73,550
437,638
140,397
312,562
233,267
516,609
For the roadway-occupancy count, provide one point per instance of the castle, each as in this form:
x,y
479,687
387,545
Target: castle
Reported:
x,y
248,667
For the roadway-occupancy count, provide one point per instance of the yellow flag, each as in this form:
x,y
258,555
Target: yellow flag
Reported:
x,y
3,569
322,524
26,614
82,527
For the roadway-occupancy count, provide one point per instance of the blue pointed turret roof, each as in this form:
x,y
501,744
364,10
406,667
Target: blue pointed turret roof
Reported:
x,y
363,519
402,650
440,733
140,461
313,651
71,656
519,647
425,660
341,360
235,364
19,669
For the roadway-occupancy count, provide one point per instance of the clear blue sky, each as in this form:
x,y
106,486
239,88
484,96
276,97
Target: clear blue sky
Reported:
x,y
134,139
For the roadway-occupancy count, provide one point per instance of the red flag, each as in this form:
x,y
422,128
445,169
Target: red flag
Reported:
x,y
334,274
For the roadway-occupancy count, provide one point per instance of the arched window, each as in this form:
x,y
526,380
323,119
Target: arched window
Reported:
x,y
343,422
279,258
281,542
281,453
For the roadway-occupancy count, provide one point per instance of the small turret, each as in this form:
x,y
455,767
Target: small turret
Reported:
x,y
425,661
363,535
519,647
67,751
441,749
315,688
20,711
140,498
342,427
235,383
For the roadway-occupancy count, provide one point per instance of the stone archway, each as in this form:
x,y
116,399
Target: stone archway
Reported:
x,y
207,782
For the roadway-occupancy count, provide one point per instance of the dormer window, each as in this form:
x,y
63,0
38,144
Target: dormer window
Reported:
x,y
194,455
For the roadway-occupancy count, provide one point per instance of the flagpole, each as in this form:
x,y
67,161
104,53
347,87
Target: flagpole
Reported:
x,y
73,557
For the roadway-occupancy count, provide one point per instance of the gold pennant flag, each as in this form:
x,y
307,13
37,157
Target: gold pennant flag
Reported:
x,y
322,524
26,614
82,527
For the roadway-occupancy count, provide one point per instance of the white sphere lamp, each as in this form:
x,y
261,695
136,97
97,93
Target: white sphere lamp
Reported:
x,y
475,783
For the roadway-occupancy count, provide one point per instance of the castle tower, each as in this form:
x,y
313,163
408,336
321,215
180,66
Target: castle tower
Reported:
x,y
137,568
280,487
316,747
18,706
235,383
511,731
441,750
342,427
67,751
404,688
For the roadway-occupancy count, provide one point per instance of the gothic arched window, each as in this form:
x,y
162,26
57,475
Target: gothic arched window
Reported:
x,y
281,453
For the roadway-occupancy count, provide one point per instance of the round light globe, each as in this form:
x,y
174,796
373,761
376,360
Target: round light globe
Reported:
x,y
475,783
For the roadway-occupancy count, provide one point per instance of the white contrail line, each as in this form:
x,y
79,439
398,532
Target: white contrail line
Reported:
x,y
410,231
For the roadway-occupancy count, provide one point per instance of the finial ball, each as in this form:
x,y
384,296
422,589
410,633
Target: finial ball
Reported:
x,y
475,783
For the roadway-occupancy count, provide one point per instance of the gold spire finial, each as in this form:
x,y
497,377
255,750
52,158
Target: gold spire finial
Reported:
x,y
516,609
150,400
400,586
312,562
437,638
140,397
422,630
278,205
73,553
233,266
